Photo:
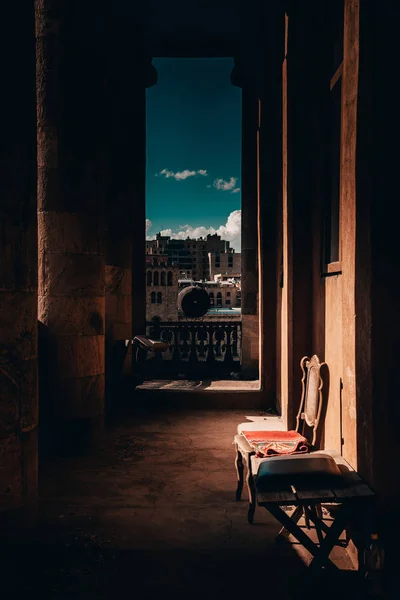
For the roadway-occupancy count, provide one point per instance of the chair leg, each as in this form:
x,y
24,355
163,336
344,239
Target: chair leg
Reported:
x,y
252,492
239,470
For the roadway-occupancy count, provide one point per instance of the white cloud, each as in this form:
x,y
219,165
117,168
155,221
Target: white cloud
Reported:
x,y
221,184
167,232
148,224
235,191
231,231
181,175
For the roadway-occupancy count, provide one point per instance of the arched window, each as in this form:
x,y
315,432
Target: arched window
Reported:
x,y
169,278
149,278
211,296
156,278
159,297
153,297
163,278
219,299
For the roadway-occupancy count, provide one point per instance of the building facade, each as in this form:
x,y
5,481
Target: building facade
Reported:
x,y
223,294
192,256
224,263
161,289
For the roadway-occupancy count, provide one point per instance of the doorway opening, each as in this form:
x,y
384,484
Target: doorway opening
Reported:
x,y
193,217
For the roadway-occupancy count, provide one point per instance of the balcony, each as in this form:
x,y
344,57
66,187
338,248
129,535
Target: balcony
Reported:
x,y
196,349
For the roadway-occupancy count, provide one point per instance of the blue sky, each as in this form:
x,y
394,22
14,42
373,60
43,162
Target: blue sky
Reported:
x,y
193,149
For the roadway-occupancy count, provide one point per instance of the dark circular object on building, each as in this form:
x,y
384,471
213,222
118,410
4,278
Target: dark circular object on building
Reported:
x,y
193,301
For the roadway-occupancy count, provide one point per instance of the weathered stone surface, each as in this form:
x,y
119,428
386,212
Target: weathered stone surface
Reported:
x,y
18,393
10,473
71,188
71,275
18,471
118,280
81,397
72,316
250,343
18,254
69,233
119,242
18,324
80,356
119,308
120,331
249,203
18,247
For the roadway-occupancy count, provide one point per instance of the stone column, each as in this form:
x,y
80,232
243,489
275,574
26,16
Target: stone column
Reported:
x,y
146,77
249,278
18,261
269,82
244,76
70,115
130,74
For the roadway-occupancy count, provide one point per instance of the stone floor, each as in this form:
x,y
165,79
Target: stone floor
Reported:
x,y
152,514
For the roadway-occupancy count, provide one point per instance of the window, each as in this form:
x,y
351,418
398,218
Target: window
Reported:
x,y
149,278
156,278
153,297
228,294
169,278
159,298
211,296
333,116
227,301
230,260
219,299
163,278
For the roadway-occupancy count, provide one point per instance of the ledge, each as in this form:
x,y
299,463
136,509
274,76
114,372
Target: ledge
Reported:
x,y
205,385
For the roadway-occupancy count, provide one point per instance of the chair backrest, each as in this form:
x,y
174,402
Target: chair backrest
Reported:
x,y
311,395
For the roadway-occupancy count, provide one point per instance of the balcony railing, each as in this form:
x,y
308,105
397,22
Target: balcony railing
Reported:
x,y
203,348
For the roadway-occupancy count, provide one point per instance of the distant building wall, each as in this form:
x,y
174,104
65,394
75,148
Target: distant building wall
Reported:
x,y
225,263
191,256
161,290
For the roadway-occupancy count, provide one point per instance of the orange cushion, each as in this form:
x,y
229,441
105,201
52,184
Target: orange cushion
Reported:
x,y
270,443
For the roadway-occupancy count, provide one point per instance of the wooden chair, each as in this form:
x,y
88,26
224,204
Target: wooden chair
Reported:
x,y
307,421
142,346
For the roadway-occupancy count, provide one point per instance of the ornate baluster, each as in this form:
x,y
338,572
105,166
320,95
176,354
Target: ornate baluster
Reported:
x,y
202,335
176,355
193,350
158,358
228,358
239,342
184,335
235,340
166,336
155,330
210,346
219,338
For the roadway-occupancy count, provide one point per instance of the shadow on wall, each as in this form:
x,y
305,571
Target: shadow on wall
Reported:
x,y
325,374
47,374
118,374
